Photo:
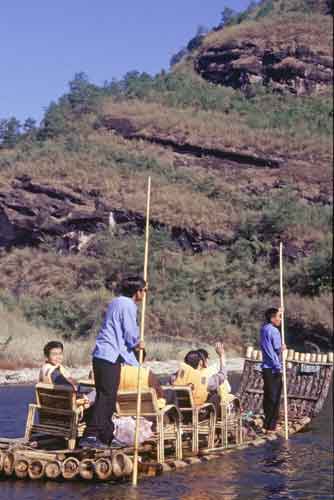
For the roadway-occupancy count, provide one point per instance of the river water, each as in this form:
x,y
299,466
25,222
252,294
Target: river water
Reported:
x,y
300,469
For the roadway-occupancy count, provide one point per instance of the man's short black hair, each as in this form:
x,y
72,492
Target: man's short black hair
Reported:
x,y
204,353
53,344
193,359
131,285
270,313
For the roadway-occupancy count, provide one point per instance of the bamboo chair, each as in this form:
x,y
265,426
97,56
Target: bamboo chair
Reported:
x,y
58,414
230,420
127,407
197,420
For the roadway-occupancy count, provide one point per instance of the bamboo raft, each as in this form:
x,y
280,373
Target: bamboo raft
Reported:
x,y
308,379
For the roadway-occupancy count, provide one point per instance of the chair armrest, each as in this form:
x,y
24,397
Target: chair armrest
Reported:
x,y
205,406
168,408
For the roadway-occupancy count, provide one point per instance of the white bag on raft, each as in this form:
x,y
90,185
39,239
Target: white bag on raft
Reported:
x,y
125,428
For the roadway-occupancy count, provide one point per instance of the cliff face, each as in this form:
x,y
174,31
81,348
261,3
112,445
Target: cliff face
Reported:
x,y
289,49
239,63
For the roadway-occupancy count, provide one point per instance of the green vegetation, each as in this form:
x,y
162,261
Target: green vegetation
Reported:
x,y
201,297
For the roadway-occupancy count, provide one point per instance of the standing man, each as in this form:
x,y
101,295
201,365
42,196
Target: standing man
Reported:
x,y
271,347
115,344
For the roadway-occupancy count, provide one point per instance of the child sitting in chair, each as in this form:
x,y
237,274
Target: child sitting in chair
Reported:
x,y
53,372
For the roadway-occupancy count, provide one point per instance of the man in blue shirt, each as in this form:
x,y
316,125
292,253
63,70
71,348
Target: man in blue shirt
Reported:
x,y
115,344
271,347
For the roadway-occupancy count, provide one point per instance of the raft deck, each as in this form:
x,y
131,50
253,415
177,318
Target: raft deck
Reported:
x,y
308,380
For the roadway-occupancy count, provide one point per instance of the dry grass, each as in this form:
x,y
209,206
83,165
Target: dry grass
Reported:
x,y
216,130
313,30
123,187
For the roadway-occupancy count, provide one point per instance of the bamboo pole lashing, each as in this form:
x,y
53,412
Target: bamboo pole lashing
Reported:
x,y
285,392
142,329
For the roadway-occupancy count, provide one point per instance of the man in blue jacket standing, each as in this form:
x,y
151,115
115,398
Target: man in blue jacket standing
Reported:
x,y
115,344
271,347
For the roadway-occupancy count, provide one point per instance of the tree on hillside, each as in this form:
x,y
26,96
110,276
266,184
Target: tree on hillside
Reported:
x,y
196,41
10,131
227,16
176,58
53,123
29,125
83,94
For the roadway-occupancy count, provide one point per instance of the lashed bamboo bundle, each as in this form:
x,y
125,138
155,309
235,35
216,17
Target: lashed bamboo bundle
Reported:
x,y
86,469
8,463
21,467
103,468
53,469
70,468
36,469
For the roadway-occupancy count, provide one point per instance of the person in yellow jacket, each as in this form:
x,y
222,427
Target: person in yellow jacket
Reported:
x,y
129,380
190,373
53,371
207,385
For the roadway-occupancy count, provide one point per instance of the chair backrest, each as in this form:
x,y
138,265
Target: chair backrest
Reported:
x,y
183,396
127,403
55,397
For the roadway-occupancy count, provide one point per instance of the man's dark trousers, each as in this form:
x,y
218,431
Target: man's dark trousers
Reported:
x,y
107,378
272,388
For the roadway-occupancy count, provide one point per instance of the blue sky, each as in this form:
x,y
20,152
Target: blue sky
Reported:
x,y
42,44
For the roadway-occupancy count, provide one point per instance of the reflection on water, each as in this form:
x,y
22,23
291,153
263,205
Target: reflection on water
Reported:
x,y
299,469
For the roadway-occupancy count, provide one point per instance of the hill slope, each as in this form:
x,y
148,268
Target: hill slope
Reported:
x,y
231,177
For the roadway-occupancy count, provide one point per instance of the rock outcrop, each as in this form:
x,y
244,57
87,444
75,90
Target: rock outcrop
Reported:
x,y
241,63
31,212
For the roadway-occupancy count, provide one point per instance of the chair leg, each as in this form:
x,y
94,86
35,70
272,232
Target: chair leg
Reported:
x,y
160,441
178,441
241,437
195,444
212,431
30,422
225,431
74,431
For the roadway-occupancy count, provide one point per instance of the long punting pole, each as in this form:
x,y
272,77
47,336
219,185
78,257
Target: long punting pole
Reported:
x,y
285,394
142,326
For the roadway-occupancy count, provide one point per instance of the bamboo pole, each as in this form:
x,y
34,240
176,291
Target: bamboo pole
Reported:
x,y
142,327
285,395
